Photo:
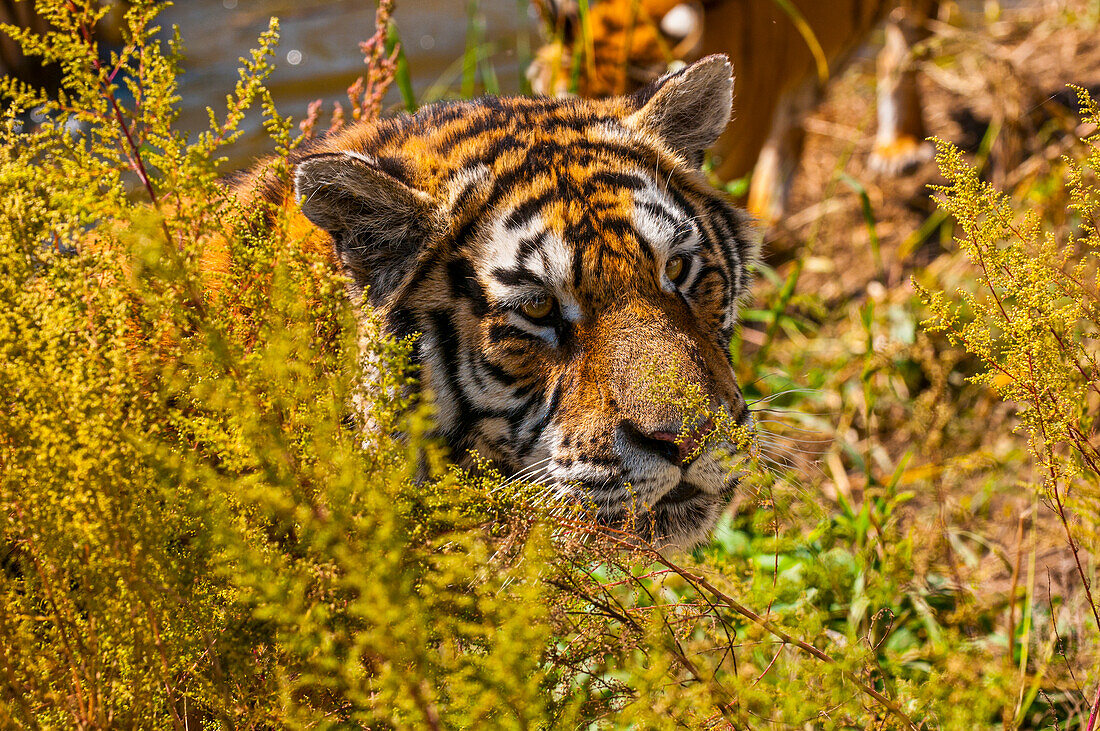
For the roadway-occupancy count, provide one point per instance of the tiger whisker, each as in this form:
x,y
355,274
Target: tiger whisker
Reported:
x,y
525,473
766,399
819,444
774,449
788,425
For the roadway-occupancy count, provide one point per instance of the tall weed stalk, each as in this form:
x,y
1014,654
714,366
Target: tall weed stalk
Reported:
x,y
1032,319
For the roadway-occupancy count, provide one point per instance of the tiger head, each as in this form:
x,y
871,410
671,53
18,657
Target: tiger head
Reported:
x,y
561,260
619,45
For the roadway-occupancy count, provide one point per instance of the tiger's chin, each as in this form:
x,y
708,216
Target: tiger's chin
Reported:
x,y
680,519
685,517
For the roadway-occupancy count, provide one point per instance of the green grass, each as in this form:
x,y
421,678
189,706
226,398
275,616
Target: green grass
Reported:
x,y
189,536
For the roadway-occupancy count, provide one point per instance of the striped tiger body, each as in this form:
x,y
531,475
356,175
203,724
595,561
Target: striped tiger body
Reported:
x,y
630,42
556,257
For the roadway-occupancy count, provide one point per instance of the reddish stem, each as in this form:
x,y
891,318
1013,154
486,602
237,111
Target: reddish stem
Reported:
x,y
131,150
133,154
1095,710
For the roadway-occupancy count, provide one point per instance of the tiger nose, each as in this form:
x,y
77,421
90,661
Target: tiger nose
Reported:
x,y
679,448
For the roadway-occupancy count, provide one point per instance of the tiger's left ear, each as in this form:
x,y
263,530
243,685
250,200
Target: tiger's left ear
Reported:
x,y
379,225
688,109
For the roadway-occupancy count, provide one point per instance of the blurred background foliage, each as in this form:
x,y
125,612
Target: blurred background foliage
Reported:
x,y
191,536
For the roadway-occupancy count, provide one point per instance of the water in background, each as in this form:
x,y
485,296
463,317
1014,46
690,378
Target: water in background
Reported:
x,y
318,56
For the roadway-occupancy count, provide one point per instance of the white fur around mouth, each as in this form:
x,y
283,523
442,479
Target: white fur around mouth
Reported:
x,y
679,495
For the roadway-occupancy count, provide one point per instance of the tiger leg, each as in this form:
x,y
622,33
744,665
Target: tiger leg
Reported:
x,y
900,143
775,166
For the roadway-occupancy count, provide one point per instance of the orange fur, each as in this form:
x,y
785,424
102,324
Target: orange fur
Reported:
x,y
777,74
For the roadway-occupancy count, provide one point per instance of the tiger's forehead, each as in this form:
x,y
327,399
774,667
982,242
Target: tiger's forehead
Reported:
x,y
583,235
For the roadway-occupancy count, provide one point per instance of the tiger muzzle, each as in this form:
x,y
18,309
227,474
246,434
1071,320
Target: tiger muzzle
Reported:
x,y
664,385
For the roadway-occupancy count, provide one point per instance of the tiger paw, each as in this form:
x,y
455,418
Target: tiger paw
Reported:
x,y
899,156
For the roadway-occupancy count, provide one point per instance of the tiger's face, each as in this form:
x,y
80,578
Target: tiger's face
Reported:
x,y
564,262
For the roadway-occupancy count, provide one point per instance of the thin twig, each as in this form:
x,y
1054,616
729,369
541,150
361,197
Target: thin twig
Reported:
x,y
744,611
731,603
133,154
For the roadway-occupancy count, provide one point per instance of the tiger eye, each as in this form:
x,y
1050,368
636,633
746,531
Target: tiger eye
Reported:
x,y
674,268
538,308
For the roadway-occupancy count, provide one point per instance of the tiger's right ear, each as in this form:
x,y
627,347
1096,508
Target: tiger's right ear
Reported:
x,y
689,108
378,224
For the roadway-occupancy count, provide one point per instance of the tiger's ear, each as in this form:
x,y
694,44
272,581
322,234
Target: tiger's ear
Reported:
x,y
689,108
377,223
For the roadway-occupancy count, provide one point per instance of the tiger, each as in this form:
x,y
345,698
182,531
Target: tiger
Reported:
x,y
630,42
555,258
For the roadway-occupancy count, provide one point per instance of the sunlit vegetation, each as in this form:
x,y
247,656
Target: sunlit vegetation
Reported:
x,y
194,535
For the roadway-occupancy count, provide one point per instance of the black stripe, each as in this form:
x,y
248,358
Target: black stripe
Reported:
x,y
617,226
515,277
578,266
499,332
603,461
517,416
394,167
732,243
462,200
658,210
401,322
501,375
530,244
475,373
547,415
522,214
706,270
618,179
465,285
513,125
446,337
